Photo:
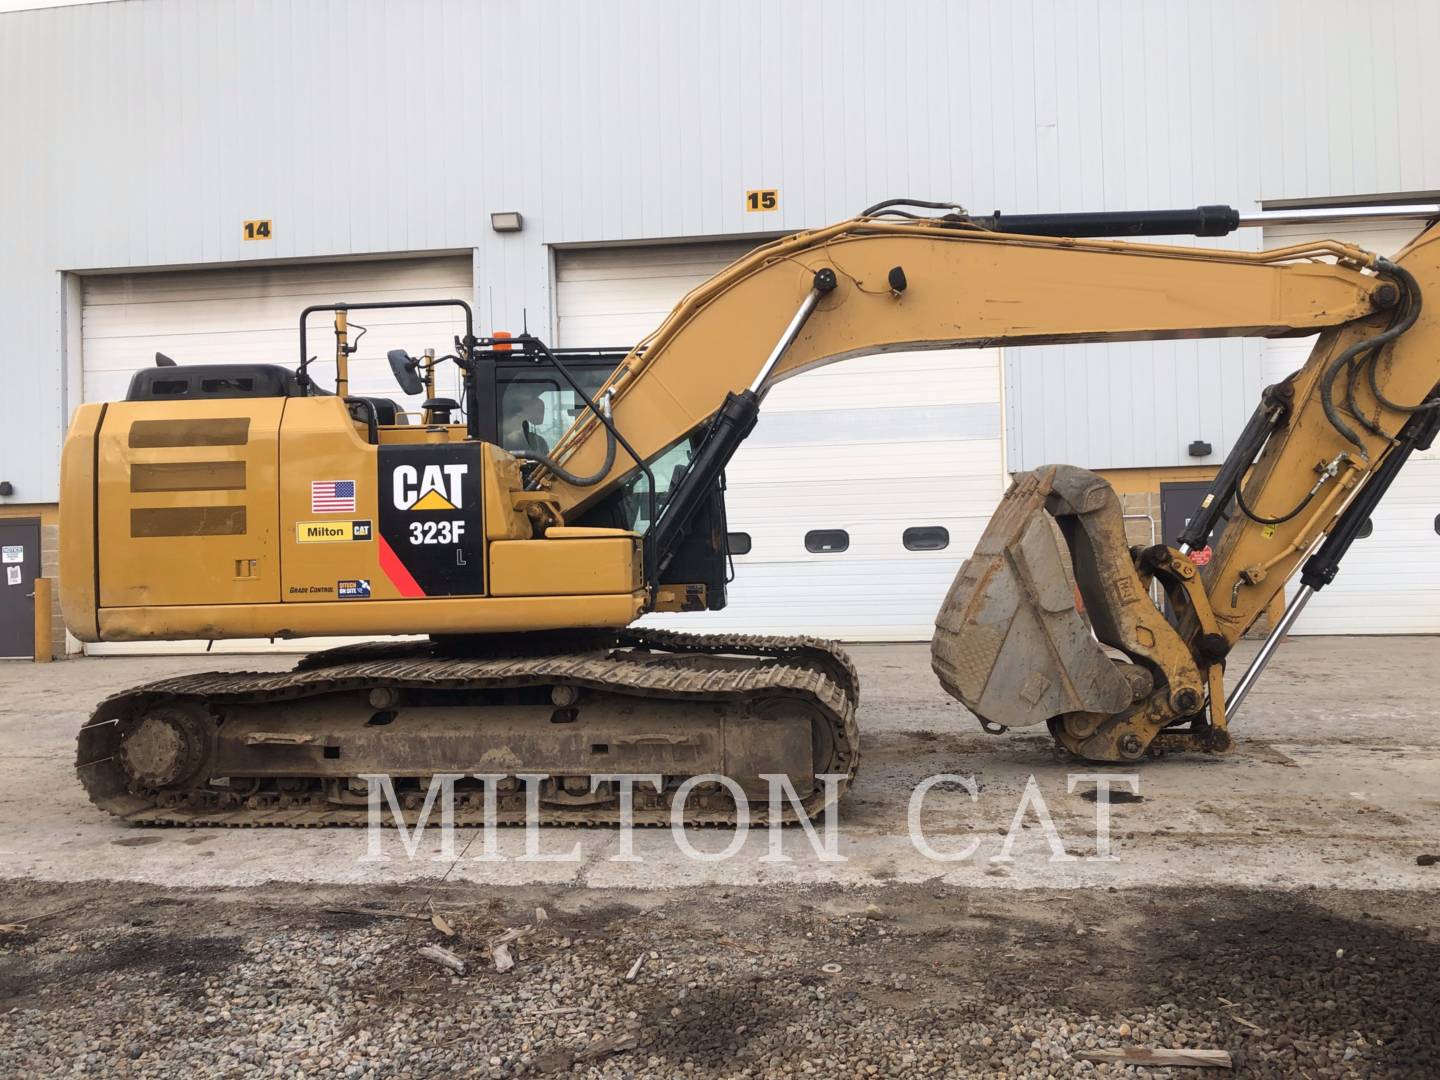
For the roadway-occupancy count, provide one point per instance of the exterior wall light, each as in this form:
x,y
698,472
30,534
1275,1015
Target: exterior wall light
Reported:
x,y
507,221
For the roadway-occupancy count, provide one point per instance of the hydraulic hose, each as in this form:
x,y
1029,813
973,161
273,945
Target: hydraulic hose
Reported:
x,y
1260,520
1410,301
1374,364
1352,403
928,204
602,412
567,476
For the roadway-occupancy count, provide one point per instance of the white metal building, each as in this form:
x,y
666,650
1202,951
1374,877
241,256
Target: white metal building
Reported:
x,y
378,138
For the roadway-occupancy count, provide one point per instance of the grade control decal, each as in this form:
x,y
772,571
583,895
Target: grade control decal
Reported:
x,y
431,525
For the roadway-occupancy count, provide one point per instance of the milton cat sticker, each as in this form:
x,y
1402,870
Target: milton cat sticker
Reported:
x,y
431,527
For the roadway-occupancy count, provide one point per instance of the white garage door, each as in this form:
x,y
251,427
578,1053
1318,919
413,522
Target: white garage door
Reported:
x,y
854,454
251,315
1389,582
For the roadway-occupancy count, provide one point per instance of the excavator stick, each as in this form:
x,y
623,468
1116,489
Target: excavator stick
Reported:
x,y
1011,642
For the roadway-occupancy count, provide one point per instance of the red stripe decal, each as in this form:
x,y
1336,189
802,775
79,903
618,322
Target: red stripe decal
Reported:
x,y
396,572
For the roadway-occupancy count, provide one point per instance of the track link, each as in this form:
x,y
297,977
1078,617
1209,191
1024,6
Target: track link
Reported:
x,y
743,672
811,651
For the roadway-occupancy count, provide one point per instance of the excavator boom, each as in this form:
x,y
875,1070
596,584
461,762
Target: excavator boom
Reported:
x,y
959,287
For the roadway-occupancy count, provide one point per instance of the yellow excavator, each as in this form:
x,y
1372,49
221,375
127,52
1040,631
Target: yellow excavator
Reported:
x,y
222,501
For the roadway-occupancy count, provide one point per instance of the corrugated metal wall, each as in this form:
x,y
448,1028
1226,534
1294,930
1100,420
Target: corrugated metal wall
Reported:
x,y
142,132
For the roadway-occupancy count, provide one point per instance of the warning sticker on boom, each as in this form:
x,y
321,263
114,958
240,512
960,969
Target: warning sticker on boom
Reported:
x,y
431,525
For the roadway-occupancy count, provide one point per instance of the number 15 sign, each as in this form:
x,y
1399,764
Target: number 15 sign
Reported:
x,y
762,199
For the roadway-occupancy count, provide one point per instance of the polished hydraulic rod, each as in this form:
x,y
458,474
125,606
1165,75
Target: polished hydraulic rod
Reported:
x,y
824,282
1320,215
1267,651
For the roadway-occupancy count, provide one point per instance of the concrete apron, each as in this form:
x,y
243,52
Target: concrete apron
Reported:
x,y
1336,783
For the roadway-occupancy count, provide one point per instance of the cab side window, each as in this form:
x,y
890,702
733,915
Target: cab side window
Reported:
x,y
537,407
527,416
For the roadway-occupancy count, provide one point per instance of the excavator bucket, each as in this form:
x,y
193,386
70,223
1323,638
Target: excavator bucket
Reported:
x,y
1010,641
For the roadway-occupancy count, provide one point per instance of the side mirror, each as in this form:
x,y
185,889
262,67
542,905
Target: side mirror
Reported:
x,y
406,371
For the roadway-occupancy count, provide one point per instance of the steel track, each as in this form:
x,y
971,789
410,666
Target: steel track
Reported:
x,y
811,669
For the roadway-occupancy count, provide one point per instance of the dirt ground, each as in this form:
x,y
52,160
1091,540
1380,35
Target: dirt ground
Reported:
x,y
901,981
1276,903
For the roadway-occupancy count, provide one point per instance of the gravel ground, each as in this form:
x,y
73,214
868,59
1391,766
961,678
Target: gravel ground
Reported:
x,y
899,981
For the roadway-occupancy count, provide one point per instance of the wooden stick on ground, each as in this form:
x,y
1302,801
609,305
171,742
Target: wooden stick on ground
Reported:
x,y
1140,1055
443,957
378,913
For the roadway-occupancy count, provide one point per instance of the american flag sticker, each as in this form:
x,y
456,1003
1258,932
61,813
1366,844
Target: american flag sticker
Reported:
x,y
332,496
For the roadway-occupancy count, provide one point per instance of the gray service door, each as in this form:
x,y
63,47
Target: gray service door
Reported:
x,y
19,567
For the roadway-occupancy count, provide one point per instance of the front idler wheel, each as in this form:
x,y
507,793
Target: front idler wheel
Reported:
x,y
165,747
